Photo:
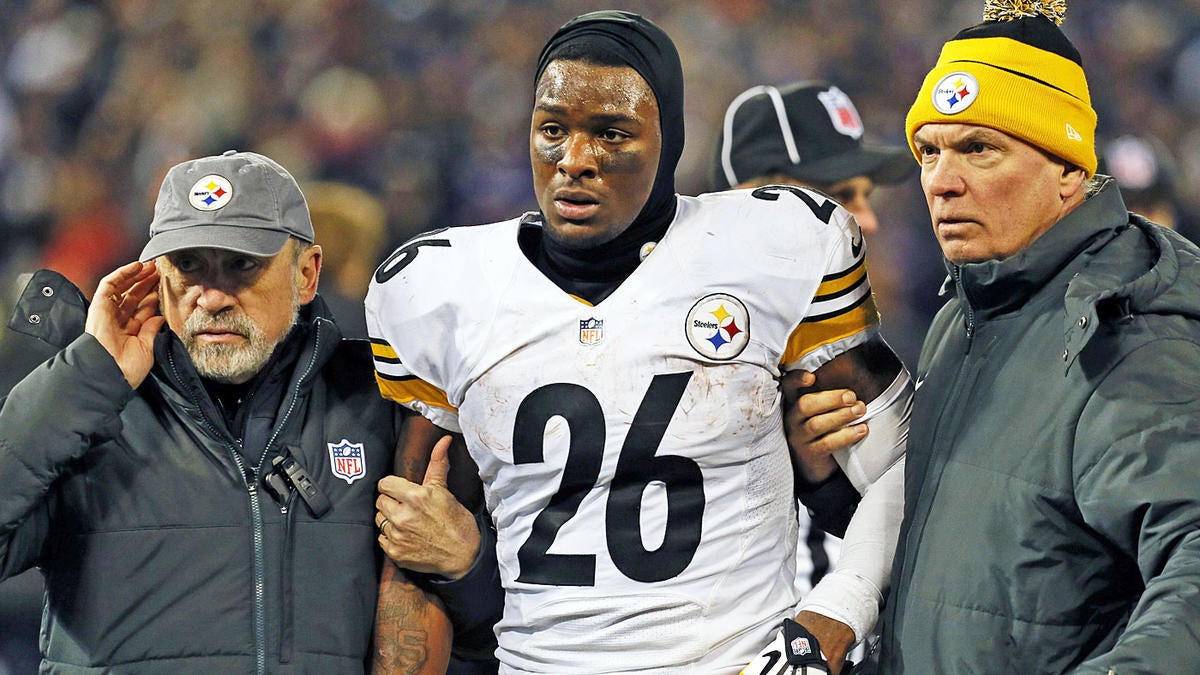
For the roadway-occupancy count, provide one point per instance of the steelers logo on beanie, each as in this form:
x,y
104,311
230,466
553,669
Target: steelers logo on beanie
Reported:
x,y
1015,72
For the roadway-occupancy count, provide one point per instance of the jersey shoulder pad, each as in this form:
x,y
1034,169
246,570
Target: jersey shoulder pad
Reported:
x,y
462,242
784,222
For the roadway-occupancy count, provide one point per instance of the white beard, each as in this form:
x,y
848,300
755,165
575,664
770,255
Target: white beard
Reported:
x,y
233,364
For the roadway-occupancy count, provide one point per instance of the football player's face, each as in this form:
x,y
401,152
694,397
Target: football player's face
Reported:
x,y
594,143
990,195
231,310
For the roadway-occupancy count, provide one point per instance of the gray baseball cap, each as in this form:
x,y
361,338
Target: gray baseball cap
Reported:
x,y
238,201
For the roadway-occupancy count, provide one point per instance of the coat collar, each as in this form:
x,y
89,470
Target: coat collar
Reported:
x,y
1112,265
996,287
310,344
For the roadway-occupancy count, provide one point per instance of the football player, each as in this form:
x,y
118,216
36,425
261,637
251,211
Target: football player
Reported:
x,y
616,365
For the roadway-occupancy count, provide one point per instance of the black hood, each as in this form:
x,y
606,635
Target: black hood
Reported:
x,y
637,42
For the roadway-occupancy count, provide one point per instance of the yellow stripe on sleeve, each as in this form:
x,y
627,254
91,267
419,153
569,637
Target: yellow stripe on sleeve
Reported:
x,y
834,285
809,337
408,389
383,352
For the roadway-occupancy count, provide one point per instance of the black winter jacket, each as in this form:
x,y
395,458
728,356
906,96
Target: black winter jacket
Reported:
x,y
161,549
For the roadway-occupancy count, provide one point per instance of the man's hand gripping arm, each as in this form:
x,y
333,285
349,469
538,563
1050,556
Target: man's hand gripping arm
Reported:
x,y
844,606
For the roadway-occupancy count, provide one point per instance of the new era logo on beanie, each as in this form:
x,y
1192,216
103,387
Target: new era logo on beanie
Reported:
x,y
1018,73
810,131
238,201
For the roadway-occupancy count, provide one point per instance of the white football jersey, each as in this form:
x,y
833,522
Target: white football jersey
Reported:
x,y
632,452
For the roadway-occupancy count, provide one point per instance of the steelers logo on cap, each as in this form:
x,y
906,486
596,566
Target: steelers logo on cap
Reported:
x,y
955,93
718,326
210,193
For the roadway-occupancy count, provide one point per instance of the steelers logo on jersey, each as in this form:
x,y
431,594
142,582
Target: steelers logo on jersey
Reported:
x,y
718,326
210,193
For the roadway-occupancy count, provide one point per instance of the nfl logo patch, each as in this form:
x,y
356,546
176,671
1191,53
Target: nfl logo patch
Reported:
x,y
801,646
348,460
842,112
591,331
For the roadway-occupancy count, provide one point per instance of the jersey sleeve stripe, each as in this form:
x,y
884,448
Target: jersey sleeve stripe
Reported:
x,y
405,390
382,352
854,303
822,297
838,283
816,332
395,378
858,264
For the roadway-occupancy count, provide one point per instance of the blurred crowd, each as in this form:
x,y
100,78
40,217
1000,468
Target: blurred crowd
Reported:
x,y
413,114
423,104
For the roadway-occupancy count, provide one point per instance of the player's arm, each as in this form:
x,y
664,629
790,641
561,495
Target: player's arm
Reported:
x,y
826,420
821,417
412,629
844,606
446,550
818,422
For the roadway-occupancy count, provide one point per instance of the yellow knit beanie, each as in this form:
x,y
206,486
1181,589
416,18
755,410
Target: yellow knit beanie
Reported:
x,y
1018,73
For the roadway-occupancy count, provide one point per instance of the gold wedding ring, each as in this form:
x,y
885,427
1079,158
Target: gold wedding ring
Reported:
x,y
115,298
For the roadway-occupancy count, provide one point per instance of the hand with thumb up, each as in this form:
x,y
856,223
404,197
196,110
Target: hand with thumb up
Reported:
x,y
422,526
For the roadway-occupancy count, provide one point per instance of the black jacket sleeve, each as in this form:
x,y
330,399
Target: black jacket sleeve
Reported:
x,y
50,418
53,415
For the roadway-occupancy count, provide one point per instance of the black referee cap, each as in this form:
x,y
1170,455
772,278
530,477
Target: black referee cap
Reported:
x,y
810,131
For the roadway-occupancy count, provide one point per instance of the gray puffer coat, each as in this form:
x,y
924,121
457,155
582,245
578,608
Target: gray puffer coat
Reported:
x,y
1052,513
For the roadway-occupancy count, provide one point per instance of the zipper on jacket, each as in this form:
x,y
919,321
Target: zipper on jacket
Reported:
x,y
250,475
250,481
260,583
968,311
286,630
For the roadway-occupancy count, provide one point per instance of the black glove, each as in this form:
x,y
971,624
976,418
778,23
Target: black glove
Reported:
x,y
794,651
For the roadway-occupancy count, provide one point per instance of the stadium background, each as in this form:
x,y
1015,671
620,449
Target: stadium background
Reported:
x,y
424,104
